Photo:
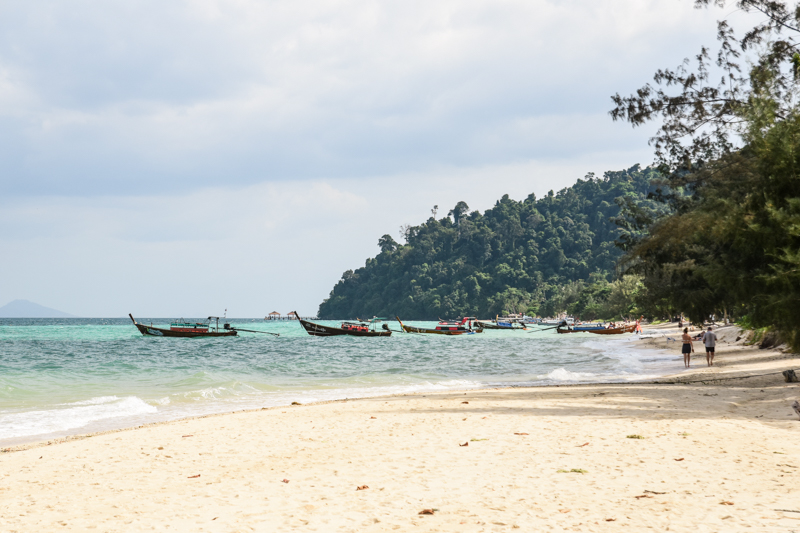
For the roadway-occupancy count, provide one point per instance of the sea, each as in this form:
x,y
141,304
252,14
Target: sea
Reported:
x,y
61,377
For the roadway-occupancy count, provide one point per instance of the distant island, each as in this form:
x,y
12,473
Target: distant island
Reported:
x,y
28,309
538,256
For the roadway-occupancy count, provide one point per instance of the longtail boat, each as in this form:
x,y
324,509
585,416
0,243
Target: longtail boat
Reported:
x,y
463,327
583,328
588,327
511,322
627,328
186,329
356,329
490,324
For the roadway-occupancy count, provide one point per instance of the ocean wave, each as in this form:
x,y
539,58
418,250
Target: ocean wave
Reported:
x,y
94,401
80,414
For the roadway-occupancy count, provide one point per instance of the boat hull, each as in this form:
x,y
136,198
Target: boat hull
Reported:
x,y
613,331
162,332
319,330
412,329
491,325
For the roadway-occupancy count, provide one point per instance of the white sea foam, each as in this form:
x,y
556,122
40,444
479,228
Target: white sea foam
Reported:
x,y
70,416
94,401
562,374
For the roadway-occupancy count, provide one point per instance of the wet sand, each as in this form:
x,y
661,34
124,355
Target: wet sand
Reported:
x,y
719,451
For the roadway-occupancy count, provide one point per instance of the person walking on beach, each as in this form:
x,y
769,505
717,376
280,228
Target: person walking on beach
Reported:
x,y
688,347
710,340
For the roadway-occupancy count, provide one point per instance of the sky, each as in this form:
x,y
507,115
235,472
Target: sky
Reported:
x,y
181,158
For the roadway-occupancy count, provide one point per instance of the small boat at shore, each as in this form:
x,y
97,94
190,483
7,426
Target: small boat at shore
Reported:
x,y
596,328
356,329
581,328
500,324
444,327
626,328
556,321
186,329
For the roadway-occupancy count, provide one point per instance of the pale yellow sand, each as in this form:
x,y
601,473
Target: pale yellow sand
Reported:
x,y
722,456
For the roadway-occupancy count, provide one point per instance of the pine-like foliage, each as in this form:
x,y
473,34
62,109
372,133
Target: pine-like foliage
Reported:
x,y
730,153
734,248
511,258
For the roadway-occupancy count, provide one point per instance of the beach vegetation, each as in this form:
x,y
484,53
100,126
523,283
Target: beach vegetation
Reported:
x,y
729,153
634,437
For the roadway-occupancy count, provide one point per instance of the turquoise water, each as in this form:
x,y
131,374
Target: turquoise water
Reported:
x,y
69,376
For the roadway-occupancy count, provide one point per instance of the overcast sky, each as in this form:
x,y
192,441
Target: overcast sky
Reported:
x,y
179,158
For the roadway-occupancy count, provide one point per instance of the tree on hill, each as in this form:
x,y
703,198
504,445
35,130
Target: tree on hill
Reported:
x,y
514,257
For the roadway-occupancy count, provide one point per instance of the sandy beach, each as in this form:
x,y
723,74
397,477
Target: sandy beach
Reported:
x,y
716,449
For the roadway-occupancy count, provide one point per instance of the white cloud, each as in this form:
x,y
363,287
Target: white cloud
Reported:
x,y
95,95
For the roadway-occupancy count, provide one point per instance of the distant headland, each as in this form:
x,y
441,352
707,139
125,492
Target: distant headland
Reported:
x,y
28,309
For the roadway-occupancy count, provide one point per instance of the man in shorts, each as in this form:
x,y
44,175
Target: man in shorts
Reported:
x,y
710,340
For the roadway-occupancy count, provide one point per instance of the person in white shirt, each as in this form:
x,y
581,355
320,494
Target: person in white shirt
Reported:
x,y
710,340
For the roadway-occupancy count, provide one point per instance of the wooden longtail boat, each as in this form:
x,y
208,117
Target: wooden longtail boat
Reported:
x,y
443,328
184,329
588,327
627,328
506,323
356,329
485,324
580,329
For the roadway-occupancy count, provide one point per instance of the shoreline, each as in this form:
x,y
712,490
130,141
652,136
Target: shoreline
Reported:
x,y
692,454
697,375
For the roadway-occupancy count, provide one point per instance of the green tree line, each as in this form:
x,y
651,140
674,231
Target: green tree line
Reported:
x,y
537,256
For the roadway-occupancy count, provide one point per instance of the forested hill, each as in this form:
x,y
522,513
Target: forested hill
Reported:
x,y
511,258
